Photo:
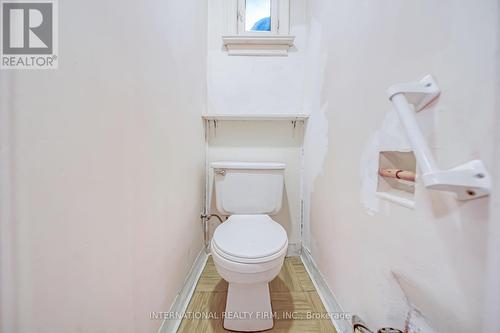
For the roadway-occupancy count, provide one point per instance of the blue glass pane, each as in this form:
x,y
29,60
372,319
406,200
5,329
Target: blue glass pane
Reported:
x,y
258,15
262,24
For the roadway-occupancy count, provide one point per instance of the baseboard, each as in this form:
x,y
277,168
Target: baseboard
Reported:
x,y
294,250
181,301
326,295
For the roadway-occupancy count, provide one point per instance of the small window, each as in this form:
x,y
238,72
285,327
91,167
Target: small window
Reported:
x,y
258,15
257,28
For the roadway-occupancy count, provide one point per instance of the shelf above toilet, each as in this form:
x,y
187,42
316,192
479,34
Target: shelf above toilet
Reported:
x,y
285,117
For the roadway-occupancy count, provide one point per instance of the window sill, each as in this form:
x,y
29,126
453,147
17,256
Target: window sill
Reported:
x,y
258,45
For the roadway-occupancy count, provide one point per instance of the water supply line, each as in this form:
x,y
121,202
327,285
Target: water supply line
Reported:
x,y
397,174
205,218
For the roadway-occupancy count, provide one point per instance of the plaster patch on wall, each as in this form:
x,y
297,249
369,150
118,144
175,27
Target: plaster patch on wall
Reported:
x,y
368,175
316,134
390,137
428,313
416,323
315,146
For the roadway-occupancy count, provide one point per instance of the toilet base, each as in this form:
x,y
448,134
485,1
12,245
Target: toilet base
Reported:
x,y
248,307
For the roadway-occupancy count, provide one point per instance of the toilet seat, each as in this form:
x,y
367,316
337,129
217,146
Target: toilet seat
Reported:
x,y
250,239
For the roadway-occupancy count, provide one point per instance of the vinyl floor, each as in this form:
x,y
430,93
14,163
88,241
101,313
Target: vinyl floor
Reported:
x,y
294,300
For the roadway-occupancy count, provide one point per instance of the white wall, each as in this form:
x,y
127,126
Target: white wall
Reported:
x,y
356,50
259,85
103,159
492,289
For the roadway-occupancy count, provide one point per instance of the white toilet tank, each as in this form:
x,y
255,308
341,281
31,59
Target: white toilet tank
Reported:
x,y
248,187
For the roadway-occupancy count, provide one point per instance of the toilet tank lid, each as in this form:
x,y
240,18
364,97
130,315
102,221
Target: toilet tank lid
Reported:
x,y
248,165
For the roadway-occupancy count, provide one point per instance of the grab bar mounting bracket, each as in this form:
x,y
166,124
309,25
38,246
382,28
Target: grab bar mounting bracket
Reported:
x,y
420,94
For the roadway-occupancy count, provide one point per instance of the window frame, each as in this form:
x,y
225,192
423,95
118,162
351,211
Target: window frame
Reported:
x,y
238,42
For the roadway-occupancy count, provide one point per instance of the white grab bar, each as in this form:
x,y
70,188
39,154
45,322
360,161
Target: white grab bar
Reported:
x,y
470,180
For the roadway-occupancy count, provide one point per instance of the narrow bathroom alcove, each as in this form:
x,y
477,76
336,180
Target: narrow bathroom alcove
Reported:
x,y
399,191
257,139
249,166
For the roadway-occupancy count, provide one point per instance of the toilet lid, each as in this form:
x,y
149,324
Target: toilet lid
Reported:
x,y
250,237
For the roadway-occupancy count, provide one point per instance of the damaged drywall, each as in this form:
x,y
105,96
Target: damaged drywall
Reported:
x,y
316,134
390,137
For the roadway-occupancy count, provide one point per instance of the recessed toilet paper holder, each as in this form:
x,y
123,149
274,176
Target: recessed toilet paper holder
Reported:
x,y
470,180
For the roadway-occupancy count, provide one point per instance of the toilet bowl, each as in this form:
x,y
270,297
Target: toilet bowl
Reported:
x,y
248,252
249,247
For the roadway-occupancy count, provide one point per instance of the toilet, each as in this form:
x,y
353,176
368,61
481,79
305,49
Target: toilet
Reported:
x,y
248,249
